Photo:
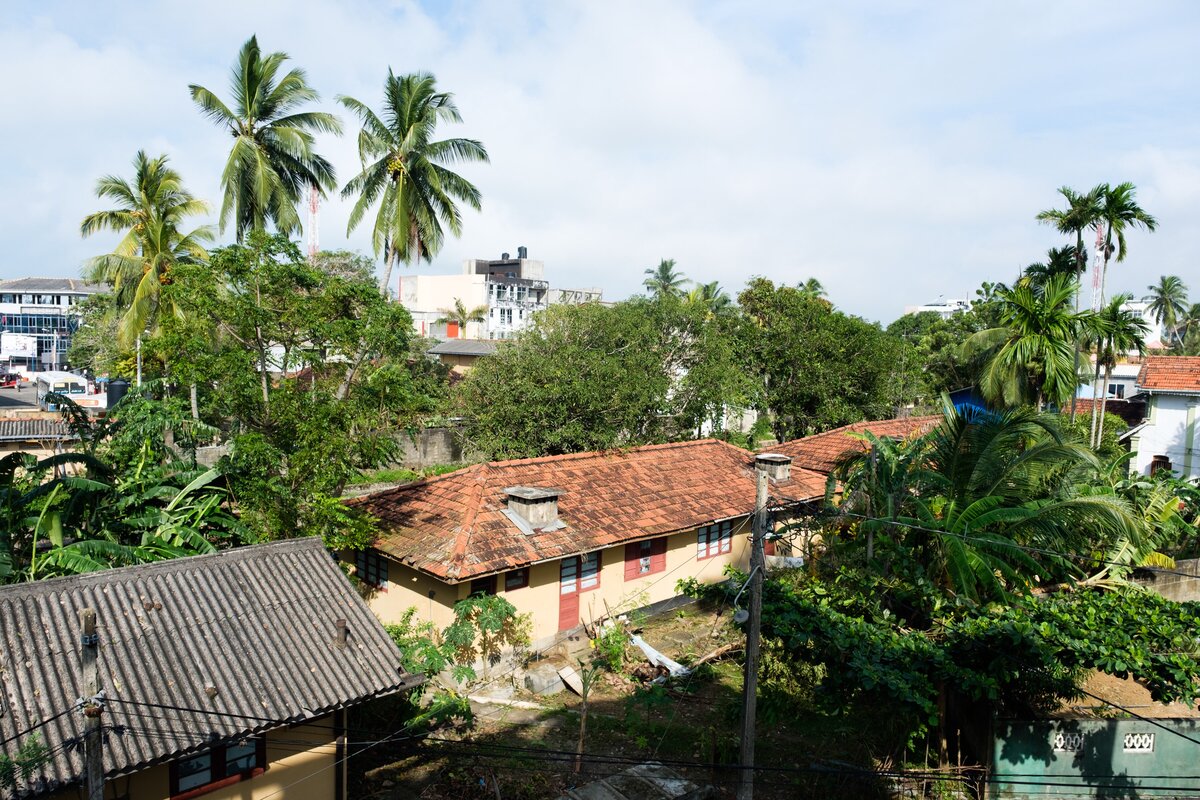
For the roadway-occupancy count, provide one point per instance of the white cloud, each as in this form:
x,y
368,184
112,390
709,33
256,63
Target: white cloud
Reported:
x,y
896,152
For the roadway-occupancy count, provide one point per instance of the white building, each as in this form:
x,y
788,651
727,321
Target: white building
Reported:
x,y
508,290
1167,439
1154,338
943,308
38,316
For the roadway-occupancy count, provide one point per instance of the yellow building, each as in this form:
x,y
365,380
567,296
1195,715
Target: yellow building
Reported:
x,y
222,676
568,539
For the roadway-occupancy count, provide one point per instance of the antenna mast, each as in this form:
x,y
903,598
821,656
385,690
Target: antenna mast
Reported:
x,y
314,206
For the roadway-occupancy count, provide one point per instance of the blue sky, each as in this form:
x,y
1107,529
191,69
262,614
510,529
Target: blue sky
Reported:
x,y
896,151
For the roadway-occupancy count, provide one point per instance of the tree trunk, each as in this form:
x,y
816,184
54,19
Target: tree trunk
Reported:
x,y
1095,401
195,401
1104,402
1078,291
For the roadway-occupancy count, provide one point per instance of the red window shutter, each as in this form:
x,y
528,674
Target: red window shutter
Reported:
x,y
658,555
632,560
769,547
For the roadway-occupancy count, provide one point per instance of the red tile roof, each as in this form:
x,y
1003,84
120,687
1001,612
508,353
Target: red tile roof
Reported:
x,y
821,451
1170,374
453,526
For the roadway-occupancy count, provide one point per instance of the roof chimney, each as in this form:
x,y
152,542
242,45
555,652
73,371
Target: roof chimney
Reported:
x,y
778,467
522,252
339,640
533,508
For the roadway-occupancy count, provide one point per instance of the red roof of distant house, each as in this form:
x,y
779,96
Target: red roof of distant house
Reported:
x,y
453,526
1170,374
820,452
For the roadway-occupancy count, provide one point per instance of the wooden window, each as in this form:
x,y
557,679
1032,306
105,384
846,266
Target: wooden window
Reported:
x,y
712,540
516,579
372,569
223,765
579,574
645,558
483,585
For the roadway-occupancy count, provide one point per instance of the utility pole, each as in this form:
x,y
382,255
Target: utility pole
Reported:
x,y
93,741
758,534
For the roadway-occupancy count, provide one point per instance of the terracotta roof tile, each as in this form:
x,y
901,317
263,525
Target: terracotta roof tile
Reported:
x,y
1170,374
453,526
821,451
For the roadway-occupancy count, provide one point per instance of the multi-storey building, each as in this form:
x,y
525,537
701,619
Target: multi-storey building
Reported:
x,y
506,291
38,316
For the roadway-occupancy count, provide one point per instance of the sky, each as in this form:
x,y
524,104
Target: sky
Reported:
x,y
896,151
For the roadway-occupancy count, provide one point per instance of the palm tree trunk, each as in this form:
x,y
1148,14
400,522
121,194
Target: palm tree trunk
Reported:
x,y
1078,292
1095,400
1104,402
195,401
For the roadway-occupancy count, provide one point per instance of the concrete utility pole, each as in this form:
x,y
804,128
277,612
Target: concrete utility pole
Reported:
x,y
758,533
93,741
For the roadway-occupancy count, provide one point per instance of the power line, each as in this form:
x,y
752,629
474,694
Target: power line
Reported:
x,y
33,728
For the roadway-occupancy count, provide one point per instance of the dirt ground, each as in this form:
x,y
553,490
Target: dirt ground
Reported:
x,y
526,748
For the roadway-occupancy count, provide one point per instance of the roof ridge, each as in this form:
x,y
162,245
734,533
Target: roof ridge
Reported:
x,y
610,451
168,565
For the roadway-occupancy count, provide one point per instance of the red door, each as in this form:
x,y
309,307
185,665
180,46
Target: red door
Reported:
x,y
577,574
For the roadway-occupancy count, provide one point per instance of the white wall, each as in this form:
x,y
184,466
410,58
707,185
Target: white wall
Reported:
x,y
1172,421
425,297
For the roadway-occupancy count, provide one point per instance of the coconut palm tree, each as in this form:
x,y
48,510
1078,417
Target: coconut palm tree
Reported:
x,y
1059,261
813,288
664,280
1189,331
272,162
460,315
711,297
983,502
1119,211
149,211
1031,357
405,169
1117,331
1168,301
1081,213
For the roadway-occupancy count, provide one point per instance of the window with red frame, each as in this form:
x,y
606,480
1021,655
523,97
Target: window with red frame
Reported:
x,y
645,558
372,568
712,540
223,765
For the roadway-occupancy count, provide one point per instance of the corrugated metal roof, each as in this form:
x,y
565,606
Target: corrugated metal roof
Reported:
x,y
23,430
39,285
464,347
257,623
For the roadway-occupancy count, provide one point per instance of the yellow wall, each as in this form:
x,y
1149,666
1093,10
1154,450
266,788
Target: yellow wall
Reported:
x,y
300,758
408,588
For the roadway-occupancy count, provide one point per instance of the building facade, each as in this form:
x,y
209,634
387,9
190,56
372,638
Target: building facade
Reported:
x,y
509,292
567,539
1167,438
38,316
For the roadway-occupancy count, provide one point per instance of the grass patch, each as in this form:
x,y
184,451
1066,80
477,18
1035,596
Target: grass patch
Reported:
x,y
402,475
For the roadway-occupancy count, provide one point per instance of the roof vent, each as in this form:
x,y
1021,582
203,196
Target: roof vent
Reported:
x,y
777,466
533,508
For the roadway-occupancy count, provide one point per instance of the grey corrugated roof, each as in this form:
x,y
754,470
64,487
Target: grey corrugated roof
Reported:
x,y
464,347
39,285
258,623
25,430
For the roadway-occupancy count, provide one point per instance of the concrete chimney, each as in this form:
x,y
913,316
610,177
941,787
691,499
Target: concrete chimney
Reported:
x,y
340,636
778,467
537,507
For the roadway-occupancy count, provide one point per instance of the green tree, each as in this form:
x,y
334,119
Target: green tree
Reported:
x,y
272,161
816,367
1059,261
149,211
460,315
405,169
591,377
813,288
1117,332
1030,355
664,280
1083,211
1168,301
711,297
1189,331
284,336
1119,212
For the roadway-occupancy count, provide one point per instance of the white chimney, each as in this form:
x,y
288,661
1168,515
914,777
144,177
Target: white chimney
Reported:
x,y
534,506
777,466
